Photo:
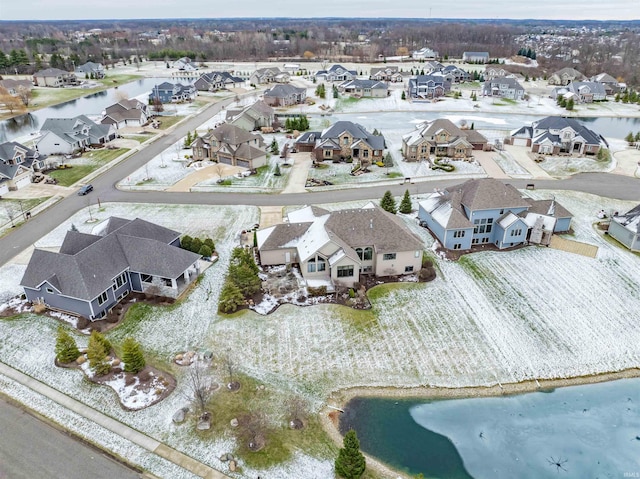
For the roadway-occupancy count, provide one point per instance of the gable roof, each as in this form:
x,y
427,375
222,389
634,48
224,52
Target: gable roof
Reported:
x,y
51,72
283,91
630,220
233,135
65,128
356,130
489,193
7,154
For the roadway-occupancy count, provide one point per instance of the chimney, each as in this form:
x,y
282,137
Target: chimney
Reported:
x,y
371,223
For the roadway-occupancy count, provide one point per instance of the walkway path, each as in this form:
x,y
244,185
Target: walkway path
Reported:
x,y
571,246
298,174
219,170
111,424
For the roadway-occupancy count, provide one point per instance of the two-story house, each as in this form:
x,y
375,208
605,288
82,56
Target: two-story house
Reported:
x,y
91,70
343,140
336,73
231,145
564,76
625,228
92,272
487,211
126,113
54,77
167,92
69,135
285,95
269,75
556,134
336,248
581,91
214,81
388,74
431,86
424,53
503,87
185,64
252,117
441,137
17,165
364,88
610,84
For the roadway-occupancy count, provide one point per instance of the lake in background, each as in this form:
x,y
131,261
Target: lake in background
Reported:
x,y
592,431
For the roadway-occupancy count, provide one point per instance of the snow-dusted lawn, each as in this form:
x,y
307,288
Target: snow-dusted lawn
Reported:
x,y
163,170
494,316
562,166
509,165
263,181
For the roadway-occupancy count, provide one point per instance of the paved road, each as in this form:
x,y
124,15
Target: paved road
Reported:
x,y
31,448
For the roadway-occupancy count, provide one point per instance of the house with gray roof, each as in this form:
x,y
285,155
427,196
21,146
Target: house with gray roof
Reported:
x,y
364,88
54,77
503,87
431,86
69,135
581,92
285,95
91,70
172,93
185,63
625,228
126,113
564,76
336,248
92,272
610,84
387,73
487,211
342,140
336,73
556,134
17,165
424,53
441,138
214,81
231,145
252,117
13,87
269,75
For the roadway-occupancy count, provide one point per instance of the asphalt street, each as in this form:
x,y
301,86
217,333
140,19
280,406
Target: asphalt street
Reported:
x,y
31,448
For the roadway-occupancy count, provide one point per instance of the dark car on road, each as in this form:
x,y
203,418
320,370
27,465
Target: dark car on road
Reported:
x,y
85,190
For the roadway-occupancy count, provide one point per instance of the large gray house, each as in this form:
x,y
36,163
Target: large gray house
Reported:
x,y
92,272
626,228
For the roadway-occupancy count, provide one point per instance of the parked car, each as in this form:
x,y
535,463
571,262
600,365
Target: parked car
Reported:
x,y
86,189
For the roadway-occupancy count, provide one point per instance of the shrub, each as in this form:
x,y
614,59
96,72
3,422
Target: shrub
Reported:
x,y
185,242
209,242
205,251
132,356
196,244
66,348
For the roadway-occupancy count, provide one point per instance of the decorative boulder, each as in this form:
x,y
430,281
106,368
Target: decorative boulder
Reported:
x,y
232,466
234,422
81,360
204,422
180,415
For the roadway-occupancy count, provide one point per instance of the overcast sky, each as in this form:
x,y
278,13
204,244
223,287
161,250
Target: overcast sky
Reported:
x,y
104,9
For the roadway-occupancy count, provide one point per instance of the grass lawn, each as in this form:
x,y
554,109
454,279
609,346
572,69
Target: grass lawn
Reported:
x,y
10,207
96,159
139,138
169,121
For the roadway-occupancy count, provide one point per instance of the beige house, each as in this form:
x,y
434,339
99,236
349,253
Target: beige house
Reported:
x,y
336,248
231,145
54,77
441,138
564,76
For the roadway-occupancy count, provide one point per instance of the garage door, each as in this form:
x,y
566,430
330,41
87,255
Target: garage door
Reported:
x,y
243,163
546,149
22,182
519,142
225,160
4,188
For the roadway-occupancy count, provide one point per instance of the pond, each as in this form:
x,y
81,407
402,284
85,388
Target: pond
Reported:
x,y
93,104
573,432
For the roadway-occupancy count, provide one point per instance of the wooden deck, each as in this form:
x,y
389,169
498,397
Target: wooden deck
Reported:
x,y
575,247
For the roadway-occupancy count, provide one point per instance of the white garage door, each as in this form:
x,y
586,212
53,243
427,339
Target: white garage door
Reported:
x,y
545,149
4,188
519,142
22,182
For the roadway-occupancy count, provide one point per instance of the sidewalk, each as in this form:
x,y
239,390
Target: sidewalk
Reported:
x,y
111,424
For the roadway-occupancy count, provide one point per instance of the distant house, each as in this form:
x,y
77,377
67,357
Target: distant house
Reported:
x,y
337,248
565,76
172,93
13,86
92,272
503,87
126,113
231,145
269,75
555,134
364,88
425,54
185,64
626,228
611,85
252,117
428,86
581,91
285,95
492,71
69,135
214,81
457,74
388,74
17,164
475,57
343,139
441,138
336,73
54,77
91,69
486,211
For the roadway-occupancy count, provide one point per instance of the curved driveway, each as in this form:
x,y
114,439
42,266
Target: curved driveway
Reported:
x,y
602,184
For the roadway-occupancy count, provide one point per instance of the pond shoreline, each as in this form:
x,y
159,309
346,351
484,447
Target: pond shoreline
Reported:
x,y
330,413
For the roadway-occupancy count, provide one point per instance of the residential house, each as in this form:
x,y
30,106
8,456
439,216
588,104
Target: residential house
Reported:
x,y
492,71
269,75
126,113
611,85
428,86
487,211
475,57
90,70
555,134
252,117
172,93
581,92
503,87
388,74
69,135
336,248
625,228
364,88
425,54
54,77
564,76
231,145
17,164
457,74
214,81
13,86
336,73
441,138
185,64
92,272
342,140
285,95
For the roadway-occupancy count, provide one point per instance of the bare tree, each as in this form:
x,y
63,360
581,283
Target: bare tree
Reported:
x,y
219,169
199,385
11,212
25,95
157,105
297,410
230,366
252,430
9,102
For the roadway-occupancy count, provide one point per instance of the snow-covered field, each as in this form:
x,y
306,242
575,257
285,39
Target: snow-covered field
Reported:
x,y
562,166
162,171
494,316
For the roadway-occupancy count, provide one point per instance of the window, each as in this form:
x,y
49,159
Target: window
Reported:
x,y
359,252
102,298
516,232
146,278
457,246
345,140
423,149
120,280
483,225
365,153
367,269
367,254
458,234
485,240
408,269
417,254
322,265
311,265
345,271
316,264
50,291
475,241
388,256
327,153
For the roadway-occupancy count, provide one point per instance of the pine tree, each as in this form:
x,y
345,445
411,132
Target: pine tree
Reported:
x,y
132,356
188,140
350,463
196,244
97,353
403,96
185,242
276,171
209,242
405,204
205,251
230,297
387,203
274,147
570,104
387,160
66,348
629,138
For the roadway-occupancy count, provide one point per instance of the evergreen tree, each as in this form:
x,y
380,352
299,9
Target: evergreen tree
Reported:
x,y
66,348
185,242
404,95
350,463
629,138
209,242
230,297
97,353
638,137
5,62
205,251
196,244
570,104
405,205
388,203
274,147
187,140
245,278
335,91
132,356
387,160
276,171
